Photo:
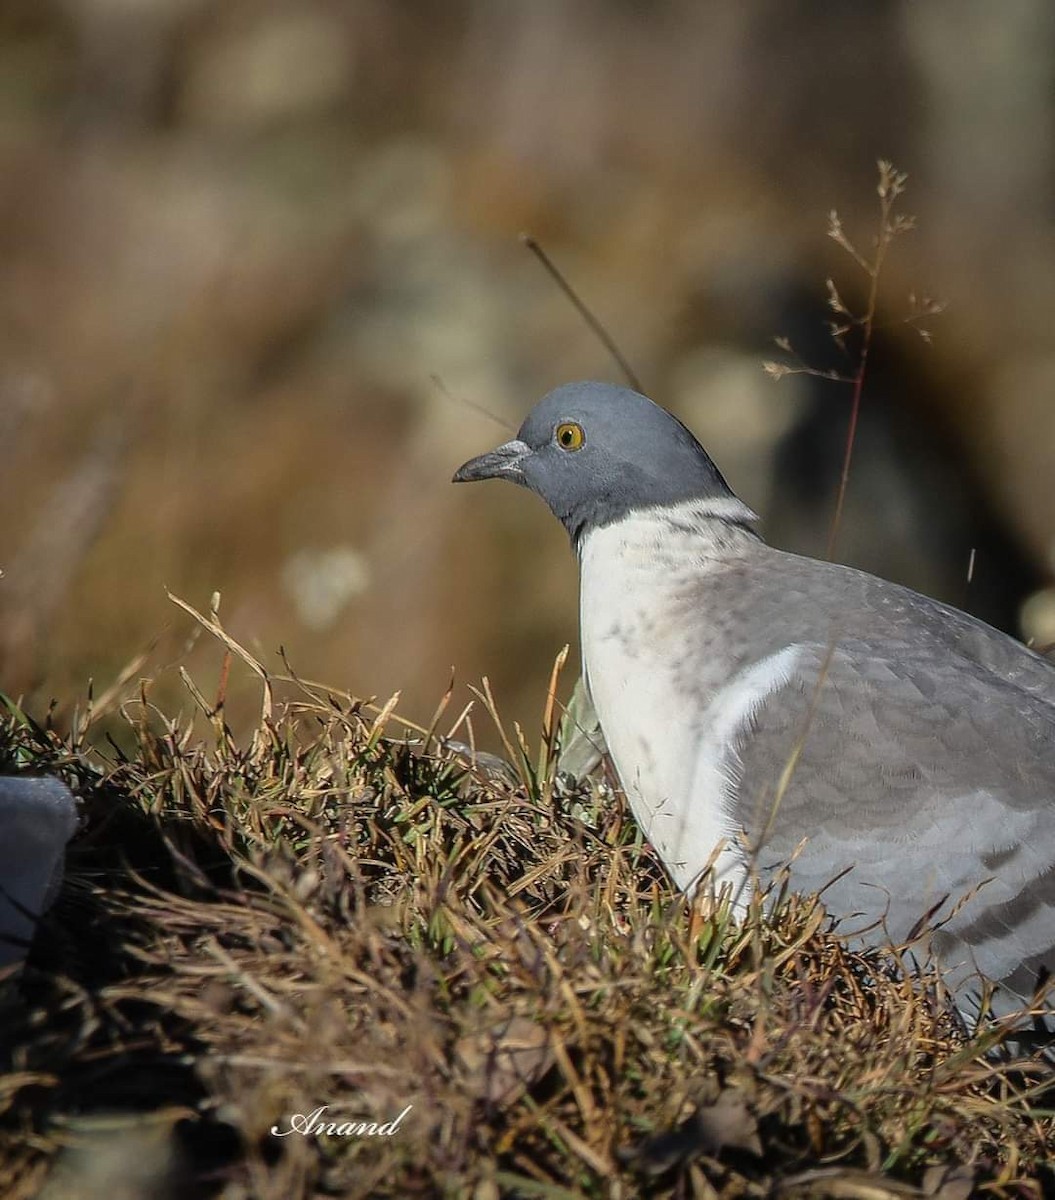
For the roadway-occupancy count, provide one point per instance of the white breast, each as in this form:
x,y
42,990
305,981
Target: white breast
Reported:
x,y
673,747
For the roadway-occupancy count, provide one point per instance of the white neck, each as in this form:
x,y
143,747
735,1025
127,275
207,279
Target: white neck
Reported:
x,y
720,521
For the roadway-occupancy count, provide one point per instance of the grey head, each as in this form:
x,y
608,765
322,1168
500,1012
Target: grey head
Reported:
x,y
595,452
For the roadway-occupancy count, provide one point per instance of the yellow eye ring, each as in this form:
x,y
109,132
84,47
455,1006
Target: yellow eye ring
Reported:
x,y
569,436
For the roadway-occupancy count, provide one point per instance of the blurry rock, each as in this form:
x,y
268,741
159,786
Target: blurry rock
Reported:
x,y
437,305
1020,428
116,1158
37,818
322,582
122,49
285,64
726,397
1038,619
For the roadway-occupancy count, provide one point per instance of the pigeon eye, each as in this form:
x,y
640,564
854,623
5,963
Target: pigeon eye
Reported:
x,y
569,436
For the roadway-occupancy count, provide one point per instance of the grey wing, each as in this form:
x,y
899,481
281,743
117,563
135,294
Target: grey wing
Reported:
x,y
928,774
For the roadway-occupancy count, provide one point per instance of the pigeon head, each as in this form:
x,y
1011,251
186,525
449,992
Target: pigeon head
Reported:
x,y
595,453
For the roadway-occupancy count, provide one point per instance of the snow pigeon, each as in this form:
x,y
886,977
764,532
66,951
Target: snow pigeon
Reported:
x,y
762,708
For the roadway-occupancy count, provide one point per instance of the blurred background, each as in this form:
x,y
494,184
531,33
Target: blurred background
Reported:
x,y
240,241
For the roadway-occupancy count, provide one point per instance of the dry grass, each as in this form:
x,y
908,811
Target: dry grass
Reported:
x,y
330,915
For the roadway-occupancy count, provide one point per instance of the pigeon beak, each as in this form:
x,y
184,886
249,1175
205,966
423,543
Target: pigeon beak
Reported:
x,y
501,463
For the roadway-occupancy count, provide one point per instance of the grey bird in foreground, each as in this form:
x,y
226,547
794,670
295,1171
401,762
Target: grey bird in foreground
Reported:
x,y
769,703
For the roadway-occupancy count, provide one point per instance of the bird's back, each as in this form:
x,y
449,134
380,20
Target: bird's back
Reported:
x,y
924,757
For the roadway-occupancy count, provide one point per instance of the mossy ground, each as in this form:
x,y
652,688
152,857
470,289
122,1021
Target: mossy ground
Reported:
x,y
340,911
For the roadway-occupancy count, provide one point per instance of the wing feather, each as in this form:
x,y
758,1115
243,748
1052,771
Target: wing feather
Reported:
x,y
930,776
